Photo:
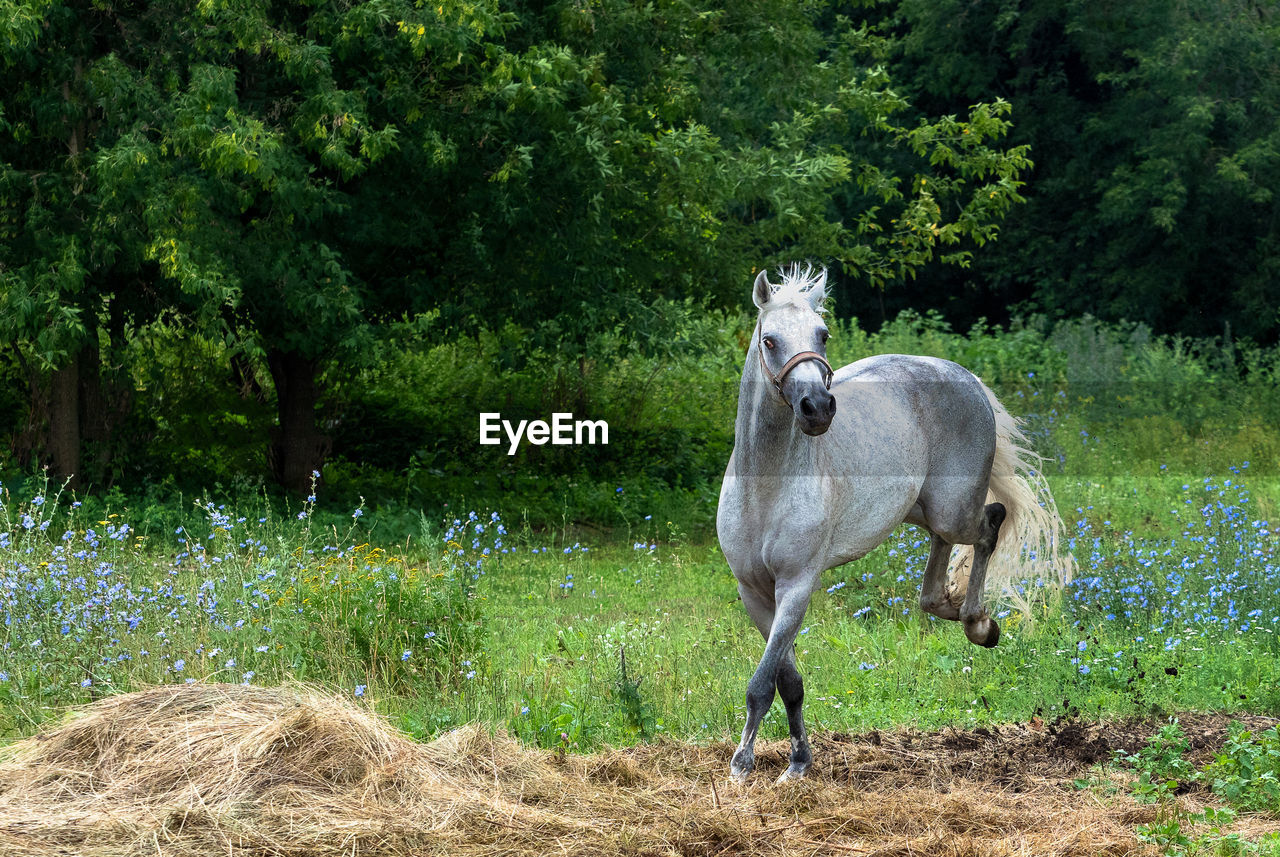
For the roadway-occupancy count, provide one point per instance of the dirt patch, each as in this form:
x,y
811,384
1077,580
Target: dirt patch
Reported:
x,y
1016,756
223,769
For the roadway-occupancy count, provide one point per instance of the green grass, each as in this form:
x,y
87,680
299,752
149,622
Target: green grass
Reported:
x,y
674,613
436,641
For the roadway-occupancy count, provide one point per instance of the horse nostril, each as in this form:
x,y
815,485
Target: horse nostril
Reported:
x,y
806,407
831,406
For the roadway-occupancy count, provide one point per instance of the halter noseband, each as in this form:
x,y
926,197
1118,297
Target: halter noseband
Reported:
x,y
795,361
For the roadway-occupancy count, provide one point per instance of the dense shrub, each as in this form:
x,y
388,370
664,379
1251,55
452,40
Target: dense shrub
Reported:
x,y
404,429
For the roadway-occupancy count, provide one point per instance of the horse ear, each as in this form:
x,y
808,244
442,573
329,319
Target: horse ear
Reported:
x,y
763,290
818,291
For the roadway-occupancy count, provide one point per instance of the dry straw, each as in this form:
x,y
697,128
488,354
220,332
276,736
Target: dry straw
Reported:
x,y
211,769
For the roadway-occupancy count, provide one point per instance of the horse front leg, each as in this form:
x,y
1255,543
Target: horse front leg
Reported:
x,y
792,600
791,689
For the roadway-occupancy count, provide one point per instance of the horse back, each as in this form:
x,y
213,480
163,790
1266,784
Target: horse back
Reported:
x,y
946,402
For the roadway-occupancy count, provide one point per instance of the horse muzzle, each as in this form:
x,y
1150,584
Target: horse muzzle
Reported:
x,y
814,411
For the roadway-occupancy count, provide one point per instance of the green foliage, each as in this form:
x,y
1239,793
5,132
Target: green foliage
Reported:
x,y
298,193
405,426
1246,773
1162,768
637,711
1180,834
1154,131
1243,774
291,181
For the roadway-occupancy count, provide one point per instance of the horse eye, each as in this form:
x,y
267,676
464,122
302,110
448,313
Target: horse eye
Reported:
x,y
825,337
768,342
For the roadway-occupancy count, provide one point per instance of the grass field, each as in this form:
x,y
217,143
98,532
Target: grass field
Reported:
x,y
568,642
575,641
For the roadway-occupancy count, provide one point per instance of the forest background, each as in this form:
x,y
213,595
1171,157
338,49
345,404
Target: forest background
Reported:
x,y
243,242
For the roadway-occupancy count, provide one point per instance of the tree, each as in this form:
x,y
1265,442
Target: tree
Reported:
x,y
71,275
215,149
697,142
290,177
1156,135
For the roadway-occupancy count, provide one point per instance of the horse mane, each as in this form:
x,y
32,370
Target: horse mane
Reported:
x,y
802,285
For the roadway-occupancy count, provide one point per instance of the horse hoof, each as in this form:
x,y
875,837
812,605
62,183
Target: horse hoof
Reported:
x,y
741,766
984,632
792,773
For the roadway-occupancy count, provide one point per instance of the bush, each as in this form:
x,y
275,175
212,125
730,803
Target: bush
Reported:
x,y
405,425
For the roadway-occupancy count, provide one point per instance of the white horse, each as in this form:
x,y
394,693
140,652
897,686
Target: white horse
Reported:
x,y
811,486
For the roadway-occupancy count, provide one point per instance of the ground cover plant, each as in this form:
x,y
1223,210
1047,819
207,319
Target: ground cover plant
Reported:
x,y
1241,776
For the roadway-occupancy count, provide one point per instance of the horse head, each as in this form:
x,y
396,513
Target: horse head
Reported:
x,y
791,340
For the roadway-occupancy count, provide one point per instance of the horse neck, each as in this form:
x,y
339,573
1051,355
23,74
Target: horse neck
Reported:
x,y
765,435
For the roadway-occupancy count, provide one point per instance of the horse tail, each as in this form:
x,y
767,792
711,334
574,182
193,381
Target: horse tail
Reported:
x,y
1031,550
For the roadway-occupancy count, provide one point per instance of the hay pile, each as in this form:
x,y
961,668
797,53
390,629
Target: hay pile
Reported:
x,y
212,769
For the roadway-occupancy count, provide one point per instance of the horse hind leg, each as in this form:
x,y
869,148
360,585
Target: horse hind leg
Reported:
x,y
979,627
934,596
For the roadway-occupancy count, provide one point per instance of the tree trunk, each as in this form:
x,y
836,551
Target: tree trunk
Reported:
x,y
64,422
297,448
64,383
106,398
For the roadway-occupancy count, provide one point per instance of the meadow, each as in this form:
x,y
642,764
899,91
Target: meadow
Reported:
x,y
618,626
567,642
620,622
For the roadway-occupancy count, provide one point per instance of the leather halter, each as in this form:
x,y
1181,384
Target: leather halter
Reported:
x,y
796,360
